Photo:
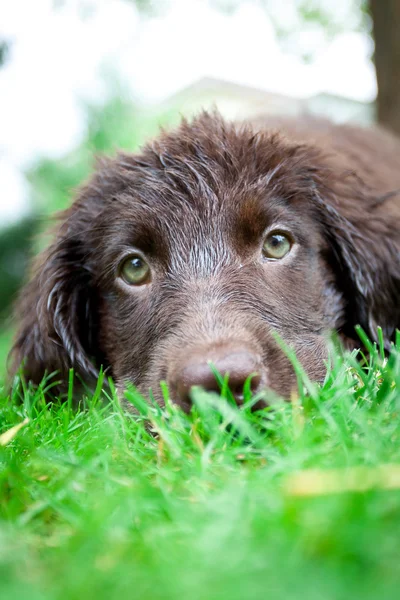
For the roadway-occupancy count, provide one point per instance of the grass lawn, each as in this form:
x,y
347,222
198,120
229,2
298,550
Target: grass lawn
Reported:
x,y
300,500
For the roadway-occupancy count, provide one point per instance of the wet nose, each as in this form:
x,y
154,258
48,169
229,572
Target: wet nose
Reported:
x,y
238,364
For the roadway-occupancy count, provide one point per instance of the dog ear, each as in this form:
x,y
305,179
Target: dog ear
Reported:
x,y
57,312
363,232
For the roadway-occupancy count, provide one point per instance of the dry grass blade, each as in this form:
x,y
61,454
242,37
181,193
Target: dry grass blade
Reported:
x,y
9,435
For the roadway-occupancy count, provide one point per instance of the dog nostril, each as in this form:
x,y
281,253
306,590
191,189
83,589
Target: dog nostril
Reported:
x,y
239,365
236,384
194,374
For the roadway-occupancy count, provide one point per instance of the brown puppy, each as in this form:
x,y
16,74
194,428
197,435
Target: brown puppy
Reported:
x,y
211,238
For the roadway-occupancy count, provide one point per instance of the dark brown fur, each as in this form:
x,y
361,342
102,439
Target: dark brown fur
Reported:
x,y
197,203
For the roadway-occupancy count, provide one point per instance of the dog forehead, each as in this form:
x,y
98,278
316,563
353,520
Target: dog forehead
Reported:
x,y
234,215
186,193
201,218
179,223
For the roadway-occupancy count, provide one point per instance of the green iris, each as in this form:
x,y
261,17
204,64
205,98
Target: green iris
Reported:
x,y
276,245
134,270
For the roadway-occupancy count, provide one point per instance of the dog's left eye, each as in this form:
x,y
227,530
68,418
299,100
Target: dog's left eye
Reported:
x,y
134,270
276,245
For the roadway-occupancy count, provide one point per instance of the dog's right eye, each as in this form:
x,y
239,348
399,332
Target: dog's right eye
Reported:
x,y
134,270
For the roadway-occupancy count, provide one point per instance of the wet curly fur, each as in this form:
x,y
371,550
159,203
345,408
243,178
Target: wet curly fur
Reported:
x,y
197,203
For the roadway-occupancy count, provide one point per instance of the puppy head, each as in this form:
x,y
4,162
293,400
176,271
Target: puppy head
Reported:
x,y
196,250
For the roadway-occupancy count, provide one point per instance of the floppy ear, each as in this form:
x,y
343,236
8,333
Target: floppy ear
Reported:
x,y
57,311
364,234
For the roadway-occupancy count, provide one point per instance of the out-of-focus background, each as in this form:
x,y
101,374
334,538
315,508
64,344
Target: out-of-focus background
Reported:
x,y
80,77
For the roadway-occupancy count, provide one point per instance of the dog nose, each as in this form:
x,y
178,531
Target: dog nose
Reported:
x,y
196,371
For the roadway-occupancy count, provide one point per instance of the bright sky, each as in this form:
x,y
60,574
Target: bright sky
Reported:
x,y
58,58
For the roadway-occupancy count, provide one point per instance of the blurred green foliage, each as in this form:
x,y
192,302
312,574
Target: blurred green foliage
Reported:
x,y
293,18
115,125
15,246
4,51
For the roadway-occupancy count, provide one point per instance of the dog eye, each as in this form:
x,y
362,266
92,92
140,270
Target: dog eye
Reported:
x,y
134,270
276,245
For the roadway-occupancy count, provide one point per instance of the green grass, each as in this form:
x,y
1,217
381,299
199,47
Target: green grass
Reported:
x,y
299,500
